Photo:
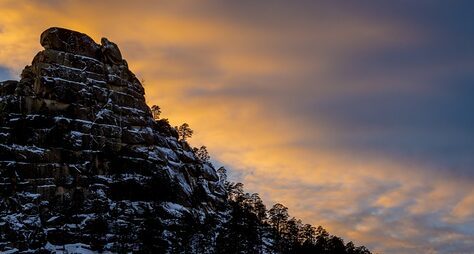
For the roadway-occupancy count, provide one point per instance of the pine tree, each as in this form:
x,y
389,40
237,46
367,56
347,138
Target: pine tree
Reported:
x,y
184,132
156,112
202,154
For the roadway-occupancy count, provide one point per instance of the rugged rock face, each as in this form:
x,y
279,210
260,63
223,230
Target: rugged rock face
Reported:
x,y
83,161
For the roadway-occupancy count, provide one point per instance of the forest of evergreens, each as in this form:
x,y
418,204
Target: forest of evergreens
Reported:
x,y
252,228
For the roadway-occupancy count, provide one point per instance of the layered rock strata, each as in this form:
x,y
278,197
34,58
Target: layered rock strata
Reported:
x,y
83,161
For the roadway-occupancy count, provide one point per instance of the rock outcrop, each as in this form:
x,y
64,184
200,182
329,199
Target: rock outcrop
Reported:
x,y
83,161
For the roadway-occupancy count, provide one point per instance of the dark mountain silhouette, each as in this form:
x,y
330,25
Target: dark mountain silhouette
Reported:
x,y
86,166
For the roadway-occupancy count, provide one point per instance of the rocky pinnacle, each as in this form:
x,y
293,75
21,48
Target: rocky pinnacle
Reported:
x,y
83,161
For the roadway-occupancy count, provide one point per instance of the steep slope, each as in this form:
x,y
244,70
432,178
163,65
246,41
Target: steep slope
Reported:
x,y
83,161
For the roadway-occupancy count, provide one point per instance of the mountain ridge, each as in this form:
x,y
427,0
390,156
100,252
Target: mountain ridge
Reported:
x,y
86,167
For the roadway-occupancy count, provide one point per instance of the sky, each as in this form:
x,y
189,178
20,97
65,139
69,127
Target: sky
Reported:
x,y
357,115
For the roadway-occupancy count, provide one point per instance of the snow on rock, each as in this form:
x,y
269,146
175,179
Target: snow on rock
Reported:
x,y
174,209
75,248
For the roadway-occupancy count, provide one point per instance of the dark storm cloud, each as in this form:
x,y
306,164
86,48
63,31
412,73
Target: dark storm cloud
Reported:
x,y
435,126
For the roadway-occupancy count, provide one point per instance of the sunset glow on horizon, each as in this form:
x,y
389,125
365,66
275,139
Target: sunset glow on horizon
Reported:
x,y
358,115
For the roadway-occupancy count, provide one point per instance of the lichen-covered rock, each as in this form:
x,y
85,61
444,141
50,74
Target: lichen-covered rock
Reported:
x,y
83,161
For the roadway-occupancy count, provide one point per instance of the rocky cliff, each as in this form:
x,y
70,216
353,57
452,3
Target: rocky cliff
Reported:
x,y
83,161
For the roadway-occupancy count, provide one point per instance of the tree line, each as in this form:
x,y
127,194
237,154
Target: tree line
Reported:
x,y
251,228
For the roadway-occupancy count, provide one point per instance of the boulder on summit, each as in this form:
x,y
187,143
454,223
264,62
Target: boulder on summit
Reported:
x,y
69,41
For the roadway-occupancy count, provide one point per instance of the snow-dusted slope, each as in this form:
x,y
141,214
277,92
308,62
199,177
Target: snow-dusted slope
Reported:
x,y
84,165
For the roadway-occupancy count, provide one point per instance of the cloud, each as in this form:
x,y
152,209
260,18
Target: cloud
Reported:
x,y
355,115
